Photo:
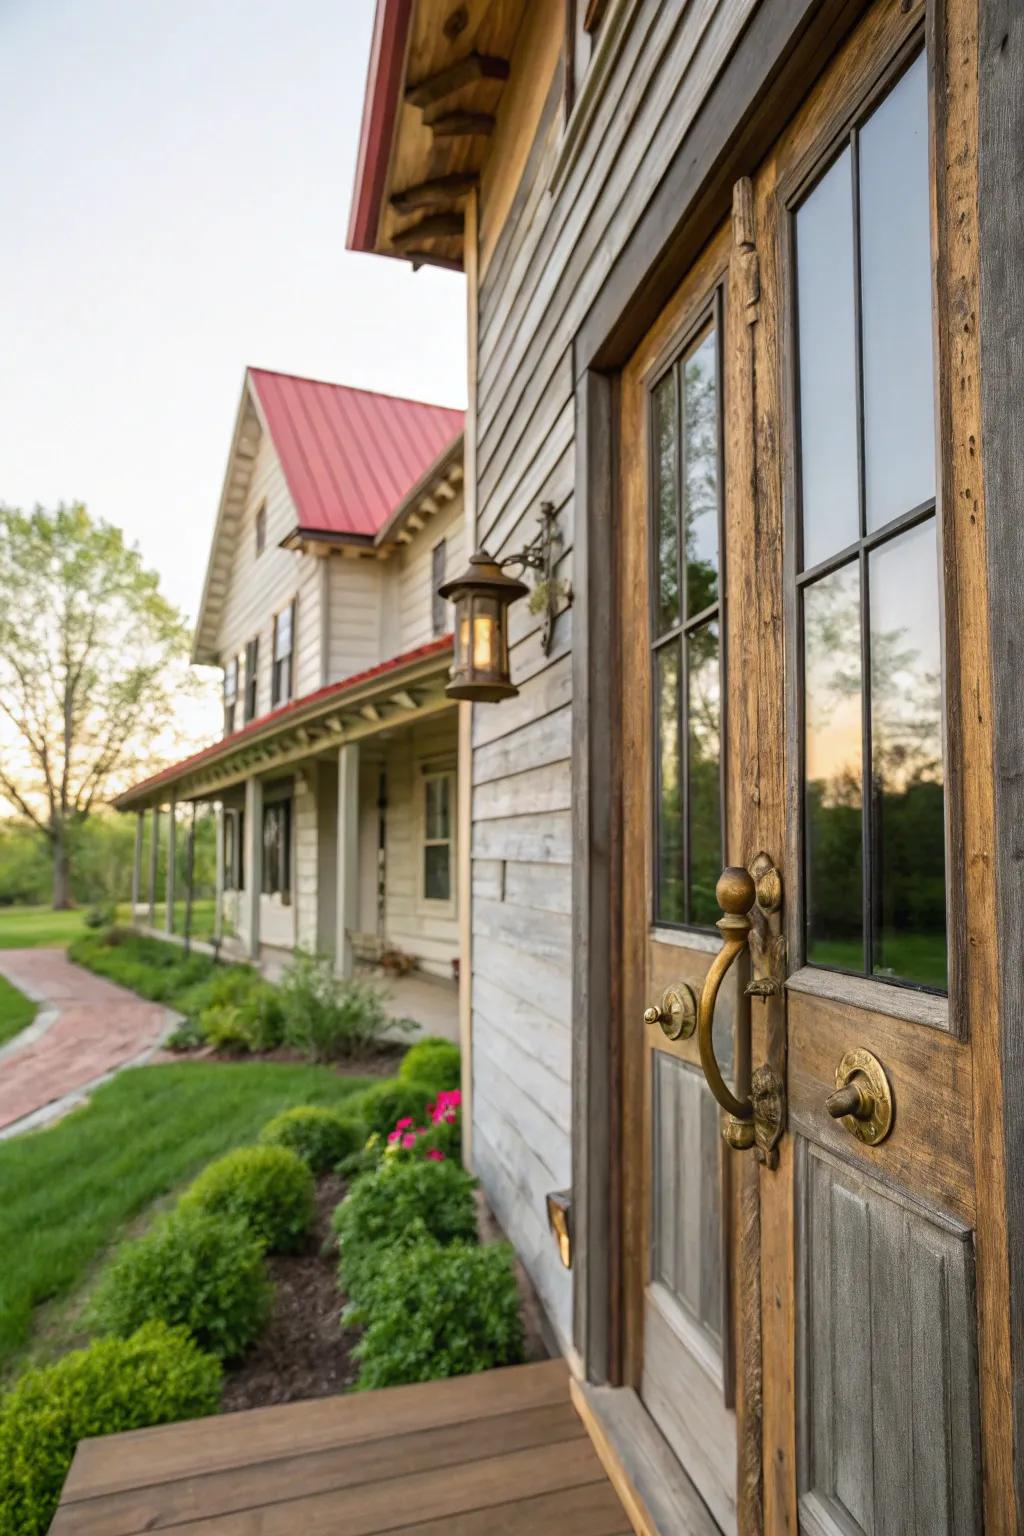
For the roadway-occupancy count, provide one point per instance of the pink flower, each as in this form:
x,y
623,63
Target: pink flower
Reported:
x,y
403,1125
435,1155
409,1139
394,1136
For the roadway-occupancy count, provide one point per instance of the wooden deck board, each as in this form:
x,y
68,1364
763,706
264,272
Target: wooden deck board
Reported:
x,y
500,1452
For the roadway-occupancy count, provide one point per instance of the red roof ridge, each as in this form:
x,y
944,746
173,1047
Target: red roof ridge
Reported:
x,y
356,389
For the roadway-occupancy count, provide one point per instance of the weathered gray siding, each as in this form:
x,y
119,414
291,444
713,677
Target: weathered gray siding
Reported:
x,y
567,225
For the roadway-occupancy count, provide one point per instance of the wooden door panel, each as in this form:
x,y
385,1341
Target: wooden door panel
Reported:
x,y
887,1359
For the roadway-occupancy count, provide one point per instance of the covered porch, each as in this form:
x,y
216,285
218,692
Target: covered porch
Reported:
x,y
332,823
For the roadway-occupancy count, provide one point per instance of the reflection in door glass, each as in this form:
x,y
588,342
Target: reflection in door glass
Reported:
x,y
827,364
669,819
833,795
908,855
896,303
700,476
666,452
704,801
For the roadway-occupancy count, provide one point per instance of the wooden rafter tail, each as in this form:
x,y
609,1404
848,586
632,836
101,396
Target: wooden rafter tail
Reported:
x,y
436,226
465,71
462,125
438,192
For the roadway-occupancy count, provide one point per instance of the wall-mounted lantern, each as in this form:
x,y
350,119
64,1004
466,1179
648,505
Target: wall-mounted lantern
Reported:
x,y
482,596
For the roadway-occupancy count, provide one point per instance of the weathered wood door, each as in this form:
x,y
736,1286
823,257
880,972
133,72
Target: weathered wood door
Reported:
x,y
808,1294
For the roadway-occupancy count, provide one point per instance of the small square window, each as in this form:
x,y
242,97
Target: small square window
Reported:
x,y
438,605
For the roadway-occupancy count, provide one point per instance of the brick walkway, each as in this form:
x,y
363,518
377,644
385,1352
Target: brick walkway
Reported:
x,y
98,1028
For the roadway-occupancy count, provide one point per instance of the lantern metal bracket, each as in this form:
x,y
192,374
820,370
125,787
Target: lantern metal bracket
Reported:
x,y
550,596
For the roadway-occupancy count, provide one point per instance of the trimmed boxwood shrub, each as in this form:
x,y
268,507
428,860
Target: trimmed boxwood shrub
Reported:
x,y
269,1187
321,1137
400,1204
157,1376
385,1103
435,1311
433,1062
197,1269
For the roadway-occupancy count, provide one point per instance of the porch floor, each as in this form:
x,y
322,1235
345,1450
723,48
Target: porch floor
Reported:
x,y
502,1453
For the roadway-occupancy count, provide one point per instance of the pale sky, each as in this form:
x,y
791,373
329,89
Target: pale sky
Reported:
x,y
174,191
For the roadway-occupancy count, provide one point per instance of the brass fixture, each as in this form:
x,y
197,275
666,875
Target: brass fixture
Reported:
x,y
482,595
559,1205
676,1013
862,1099
749,900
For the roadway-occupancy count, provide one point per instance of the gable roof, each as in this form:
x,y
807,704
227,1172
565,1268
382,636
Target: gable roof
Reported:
x,y
350,458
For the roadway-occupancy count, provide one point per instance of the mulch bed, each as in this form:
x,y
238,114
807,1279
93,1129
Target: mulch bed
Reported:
x,y
303,1351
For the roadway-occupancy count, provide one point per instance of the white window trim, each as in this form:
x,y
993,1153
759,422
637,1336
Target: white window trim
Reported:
x,y
431,904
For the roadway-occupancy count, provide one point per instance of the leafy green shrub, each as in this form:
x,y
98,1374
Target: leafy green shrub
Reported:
x,y
382,1106
200,1270
187,1037
223,1026
321,1137
263,1012
155,1377
433,1062
269,1187
100,915
329,1017
435,1311
399,1204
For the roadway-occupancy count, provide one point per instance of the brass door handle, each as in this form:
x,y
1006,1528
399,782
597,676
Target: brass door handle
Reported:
x,y
735,893
676,1013
862,1099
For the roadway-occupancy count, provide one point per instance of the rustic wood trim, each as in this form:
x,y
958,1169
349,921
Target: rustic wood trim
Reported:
x,y
595,879
438,192
474,66
464,821
784,48
436,226
999,216
656,1493
459,124
594,15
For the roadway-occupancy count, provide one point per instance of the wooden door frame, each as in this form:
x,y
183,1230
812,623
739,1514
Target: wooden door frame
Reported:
x,y
785,47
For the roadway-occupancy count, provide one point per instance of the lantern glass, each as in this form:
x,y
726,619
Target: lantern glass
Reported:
x,y
486,635
480,665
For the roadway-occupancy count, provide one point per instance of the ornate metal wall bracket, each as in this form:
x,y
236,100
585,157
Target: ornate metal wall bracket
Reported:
x,y
550,595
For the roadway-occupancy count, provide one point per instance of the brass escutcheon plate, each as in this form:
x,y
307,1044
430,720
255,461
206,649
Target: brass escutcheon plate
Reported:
x,y
878,1126
677,1014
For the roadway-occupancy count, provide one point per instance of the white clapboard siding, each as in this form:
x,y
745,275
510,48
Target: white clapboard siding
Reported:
x,y
259,586
429,930
305,861
412,573
354,609
552,255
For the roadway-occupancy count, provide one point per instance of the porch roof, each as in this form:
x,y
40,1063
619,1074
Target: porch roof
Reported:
x,y
391,693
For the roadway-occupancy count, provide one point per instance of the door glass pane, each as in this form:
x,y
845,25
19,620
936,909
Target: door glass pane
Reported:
x,y
834,789
666,474
896,301
437,817
704,749
669,893
700,476
908,856
827,361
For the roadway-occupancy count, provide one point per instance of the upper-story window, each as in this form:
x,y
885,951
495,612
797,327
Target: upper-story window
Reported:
x,y
438,800
261,528
252,678
281,677
686,538
230,694
874,846
438,606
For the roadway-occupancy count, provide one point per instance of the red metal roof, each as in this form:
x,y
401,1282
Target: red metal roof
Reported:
x,y
383,87
330,692
349,456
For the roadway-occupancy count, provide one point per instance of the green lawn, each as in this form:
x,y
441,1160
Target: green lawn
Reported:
x,y
202,918
914,957
35,927
67,1193
16,1011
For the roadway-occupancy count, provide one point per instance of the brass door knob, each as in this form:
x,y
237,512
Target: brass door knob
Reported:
x,y
677,1012
862,1099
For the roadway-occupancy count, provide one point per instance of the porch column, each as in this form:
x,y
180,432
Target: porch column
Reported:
x,y
154,855
169,882
218,900
253,861
140,824
348,856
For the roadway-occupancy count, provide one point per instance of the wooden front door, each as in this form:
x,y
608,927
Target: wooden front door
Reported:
x,y
813,1272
